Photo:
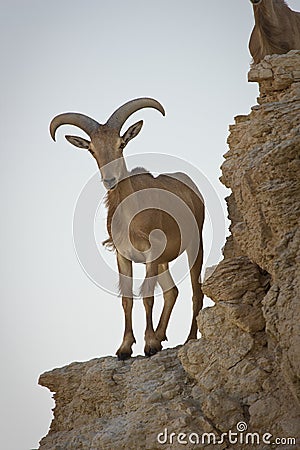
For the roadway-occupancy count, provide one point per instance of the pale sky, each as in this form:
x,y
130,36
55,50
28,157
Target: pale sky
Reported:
x,y
92,56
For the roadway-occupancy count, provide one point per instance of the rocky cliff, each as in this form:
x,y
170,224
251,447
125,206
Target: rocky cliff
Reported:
x,y
240,383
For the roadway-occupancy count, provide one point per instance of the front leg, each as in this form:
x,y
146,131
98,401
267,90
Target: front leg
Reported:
x,y
125,285
152,344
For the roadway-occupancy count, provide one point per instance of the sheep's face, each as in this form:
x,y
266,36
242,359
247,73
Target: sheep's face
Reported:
x,y
107,146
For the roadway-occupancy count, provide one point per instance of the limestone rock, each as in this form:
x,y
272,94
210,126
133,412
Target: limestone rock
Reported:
x,y
262,170
244,372
108,404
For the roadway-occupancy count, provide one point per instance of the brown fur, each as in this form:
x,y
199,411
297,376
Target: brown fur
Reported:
x,y
140,228
112,201
276,30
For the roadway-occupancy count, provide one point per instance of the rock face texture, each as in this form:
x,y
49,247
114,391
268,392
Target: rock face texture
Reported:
x,y
243,375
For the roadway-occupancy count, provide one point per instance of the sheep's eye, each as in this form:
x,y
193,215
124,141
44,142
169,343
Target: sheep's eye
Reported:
x,y
91,152
123,145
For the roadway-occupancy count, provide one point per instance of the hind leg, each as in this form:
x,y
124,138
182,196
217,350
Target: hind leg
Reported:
x,y
170,293
195,274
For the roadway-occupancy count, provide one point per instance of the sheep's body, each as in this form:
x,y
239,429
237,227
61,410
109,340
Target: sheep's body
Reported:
x,y
141,225
150,220
276,29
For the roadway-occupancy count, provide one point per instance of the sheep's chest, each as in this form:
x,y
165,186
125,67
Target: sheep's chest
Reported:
x,y
130,235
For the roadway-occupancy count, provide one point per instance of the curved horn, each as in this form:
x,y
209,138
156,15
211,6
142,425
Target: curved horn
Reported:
x,y
86,124
118,118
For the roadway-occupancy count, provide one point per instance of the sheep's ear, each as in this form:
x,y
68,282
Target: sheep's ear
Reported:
x,y
132,132
78,142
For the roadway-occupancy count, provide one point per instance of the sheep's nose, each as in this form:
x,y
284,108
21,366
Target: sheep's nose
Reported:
x,y
110,183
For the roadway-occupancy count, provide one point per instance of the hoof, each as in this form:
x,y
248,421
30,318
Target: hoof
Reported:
x,y
123,355
151,352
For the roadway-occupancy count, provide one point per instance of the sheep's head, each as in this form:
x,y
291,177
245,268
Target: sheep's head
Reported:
x,y
106,144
